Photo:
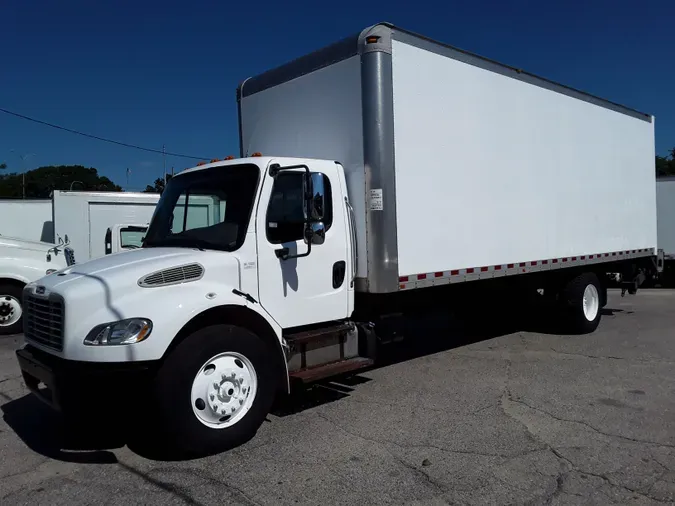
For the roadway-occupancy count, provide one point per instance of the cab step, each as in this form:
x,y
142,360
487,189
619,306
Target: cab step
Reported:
x,y
338,330
320,372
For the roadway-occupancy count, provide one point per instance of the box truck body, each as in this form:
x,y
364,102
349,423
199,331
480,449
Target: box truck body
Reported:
x,y
86,217
456,163
31,219
665,199
399,177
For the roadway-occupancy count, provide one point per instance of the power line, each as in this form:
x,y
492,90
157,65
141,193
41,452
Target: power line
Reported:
x,y
160,151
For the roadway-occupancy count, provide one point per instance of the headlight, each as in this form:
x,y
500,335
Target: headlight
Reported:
x,y
133,330
50,271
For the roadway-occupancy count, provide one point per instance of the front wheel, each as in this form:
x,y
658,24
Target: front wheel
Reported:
x,y
11,311
215,389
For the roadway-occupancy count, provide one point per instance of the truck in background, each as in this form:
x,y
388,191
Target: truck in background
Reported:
x,y
400,175
29,219
87,216
21,262
665,213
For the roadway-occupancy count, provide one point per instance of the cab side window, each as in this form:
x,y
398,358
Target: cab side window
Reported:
x,y
285,214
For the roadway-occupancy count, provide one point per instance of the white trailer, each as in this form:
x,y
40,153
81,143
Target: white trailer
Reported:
x,y
400,175
665,202
87,217
30,219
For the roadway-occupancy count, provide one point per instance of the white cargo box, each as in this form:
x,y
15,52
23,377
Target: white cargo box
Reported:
x,y
458,167
86,216
665,200
29,219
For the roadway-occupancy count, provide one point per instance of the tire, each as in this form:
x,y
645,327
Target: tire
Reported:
x,y
583,298
184,376
11,309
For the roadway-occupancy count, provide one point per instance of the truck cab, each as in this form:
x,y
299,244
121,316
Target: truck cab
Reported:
x,y
214,314
121,237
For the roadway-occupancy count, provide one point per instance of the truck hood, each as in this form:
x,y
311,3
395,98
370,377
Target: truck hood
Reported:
x,y
122,271
15,242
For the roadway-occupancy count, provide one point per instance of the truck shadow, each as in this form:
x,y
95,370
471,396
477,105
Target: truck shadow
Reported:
x,y
44,431
424,336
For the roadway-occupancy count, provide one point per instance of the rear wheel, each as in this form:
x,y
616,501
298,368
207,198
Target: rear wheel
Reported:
x,y
11,310
583,298
215,389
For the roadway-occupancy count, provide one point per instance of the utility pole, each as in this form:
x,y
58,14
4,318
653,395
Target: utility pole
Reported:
x,y
23,171
164,157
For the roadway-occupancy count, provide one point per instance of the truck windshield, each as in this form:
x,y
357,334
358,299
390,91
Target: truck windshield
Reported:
x,y
206,209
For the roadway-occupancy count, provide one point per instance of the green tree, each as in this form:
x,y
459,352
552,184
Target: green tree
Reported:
x,y
157,186
665,165
42,181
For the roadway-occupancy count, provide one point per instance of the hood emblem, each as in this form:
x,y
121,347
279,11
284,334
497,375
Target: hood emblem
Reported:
x,y
40,290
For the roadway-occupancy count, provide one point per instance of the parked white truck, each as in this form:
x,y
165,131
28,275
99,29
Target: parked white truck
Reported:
x,y
665,204
98,223
21,262
403,175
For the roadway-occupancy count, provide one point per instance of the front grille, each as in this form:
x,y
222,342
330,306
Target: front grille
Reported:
x,y
43,320
70,256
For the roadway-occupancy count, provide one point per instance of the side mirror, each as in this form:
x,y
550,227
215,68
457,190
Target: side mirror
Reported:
x,y
316,198
315,233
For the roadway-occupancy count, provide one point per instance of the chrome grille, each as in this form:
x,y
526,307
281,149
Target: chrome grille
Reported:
x,y
172,276
43,320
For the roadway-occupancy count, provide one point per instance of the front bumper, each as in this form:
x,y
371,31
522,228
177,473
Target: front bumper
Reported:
x,y
68,385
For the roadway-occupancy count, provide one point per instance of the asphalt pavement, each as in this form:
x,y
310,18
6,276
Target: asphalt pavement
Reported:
x,y
500,416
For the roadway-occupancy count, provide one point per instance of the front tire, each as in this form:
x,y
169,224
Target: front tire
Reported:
x,y
215,389
583,298
11,309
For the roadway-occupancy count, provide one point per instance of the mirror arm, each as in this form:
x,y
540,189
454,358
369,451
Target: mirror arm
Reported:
x,y
283,253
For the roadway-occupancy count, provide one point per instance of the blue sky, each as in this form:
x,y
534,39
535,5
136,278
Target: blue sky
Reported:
x,y
153,73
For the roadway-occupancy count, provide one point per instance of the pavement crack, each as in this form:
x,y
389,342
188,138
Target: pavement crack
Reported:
x,y
611,357
417,471
201,475
431,446
588,425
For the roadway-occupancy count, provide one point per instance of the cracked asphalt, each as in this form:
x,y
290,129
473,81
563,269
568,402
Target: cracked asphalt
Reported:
x,y
499,416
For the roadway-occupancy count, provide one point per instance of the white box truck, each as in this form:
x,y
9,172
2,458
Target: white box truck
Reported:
x,y
89,218
665,214
399,175
29,219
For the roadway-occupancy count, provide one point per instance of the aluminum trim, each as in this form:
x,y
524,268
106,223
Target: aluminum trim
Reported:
x,y
453,276
377,99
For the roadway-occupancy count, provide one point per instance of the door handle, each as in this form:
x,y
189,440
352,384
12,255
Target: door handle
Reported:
x,y
339,271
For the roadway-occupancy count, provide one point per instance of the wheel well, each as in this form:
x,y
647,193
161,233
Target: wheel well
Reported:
x,y
13,282
241,317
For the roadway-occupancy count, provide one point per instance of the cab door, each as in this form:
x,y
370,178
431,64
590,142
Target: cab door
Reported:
x,y
313,288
